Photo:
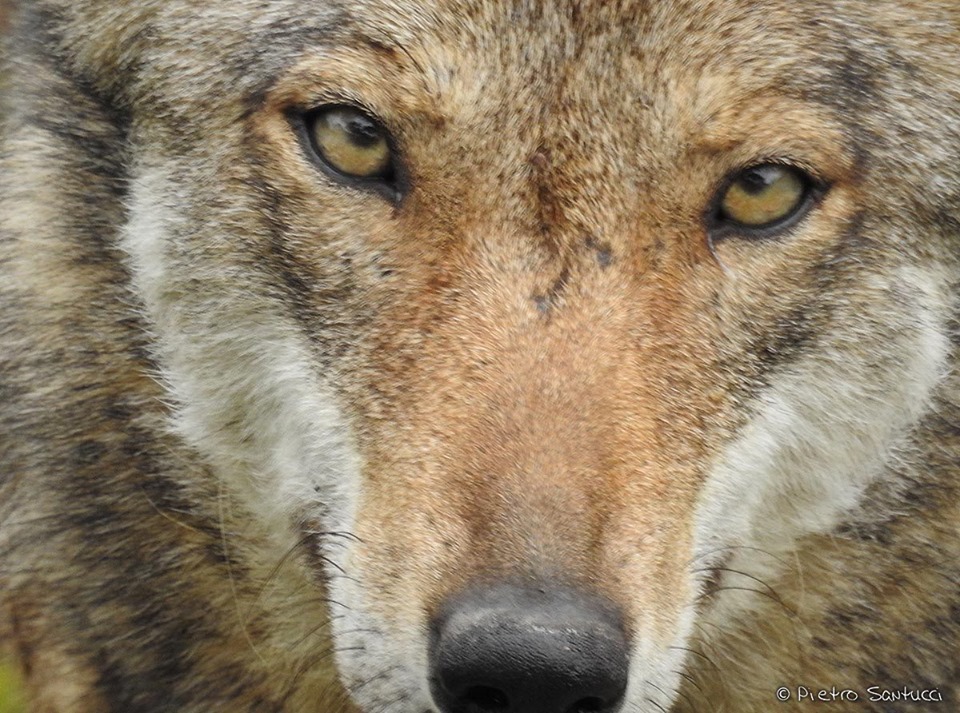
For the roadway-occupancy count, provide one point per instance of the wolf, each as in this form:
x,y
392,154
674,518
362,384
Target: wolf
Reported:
x,y
481,356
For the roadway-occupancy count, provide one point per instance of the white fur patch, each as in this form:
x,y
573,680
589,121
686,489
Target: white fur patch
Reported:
x,y
823,431
243,389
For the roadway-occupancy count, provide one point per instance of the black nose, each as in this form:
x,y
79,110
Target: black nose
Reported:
x,y
512,649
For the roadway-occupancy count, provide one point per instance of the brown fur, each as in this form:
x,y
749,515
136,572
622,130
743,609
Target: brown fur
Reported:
x,y
540,353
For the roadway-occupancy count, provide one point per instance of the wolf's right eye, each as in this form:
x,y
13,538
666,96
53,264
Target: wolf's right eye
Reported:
x,y
351,142
763,200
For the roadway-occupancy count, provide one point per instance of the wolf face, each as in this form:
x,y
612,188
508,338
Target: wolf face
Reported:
x,y
555,333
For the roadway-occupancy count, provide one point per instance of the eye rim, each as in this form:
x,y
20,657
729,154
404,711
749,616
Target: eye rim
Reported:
x,y
393,185
720,227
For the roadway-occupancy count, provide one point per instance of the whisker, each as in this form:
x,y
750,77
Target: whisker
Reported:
x,y
655,704
666,696
689,679
726,548
221,497
385,705
316,630
276,568
331,650
376,677
772,592
331,533
696,653
772,597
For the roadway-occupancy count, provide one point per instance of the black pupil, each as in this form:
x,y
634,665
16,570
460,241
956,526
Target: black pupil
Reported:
x,y
756,180
363,132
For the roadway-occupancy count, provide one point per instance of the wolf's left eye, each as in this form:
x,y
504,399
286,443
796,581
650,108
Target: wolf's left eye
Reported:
x,y
764,197
351,142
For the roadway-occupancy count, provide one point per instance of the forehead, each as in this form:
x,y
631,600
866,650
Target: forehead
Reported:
x,y
631,49
627,46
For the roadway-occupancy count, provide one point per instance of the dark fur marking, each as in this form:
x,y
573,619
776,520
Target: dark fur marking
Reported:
x,y
282,263
852,253
121,678
117,412
559,285
857,78
88,452
314,302
603,251
545,303
858,614
548,205
947,218
542,303
866,532
654,253
790,336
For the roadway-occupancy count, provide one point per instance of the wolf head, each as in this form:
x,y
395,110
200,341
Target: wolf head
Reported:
x,y
539,383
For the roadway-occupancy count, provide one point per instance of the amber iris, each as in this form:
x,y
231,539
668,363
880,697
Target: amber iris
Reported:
x,y
351,142
763,196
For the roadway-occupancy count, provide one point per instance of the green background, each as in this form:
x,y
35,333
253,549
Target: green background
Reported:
x,y
10,698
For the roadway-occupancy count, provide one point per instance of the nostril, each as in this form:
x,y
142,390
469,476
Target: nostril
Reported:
x,y
589,705
485,699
